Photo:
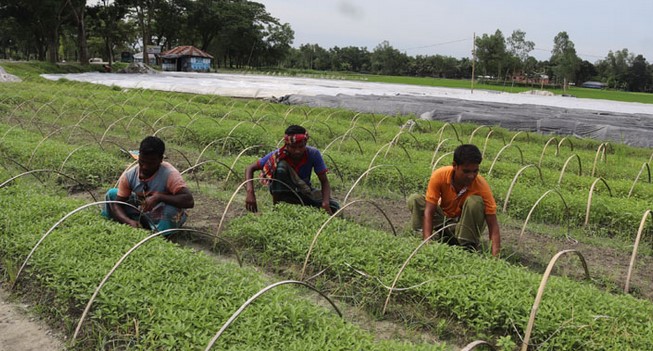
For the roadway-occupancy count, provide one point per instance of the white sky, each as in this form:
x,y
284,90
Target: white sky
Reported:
x,y
429,27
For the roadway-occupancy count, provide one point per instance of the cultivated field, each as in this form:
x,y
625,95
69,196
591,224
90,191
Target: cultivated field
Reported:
x,y
572,211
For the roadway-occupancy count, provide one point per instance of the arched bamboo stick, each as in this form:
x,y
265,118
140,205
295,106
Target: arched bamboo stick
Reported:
x,y
571,145
350,130
647,213
403,266
517,134
441,131
539,163
589,198
437,162
487,138
385,147
82,185
369,170
648,169
475,344
233,164
56,225
564,167
437,149
233,195
471,136
335,165
514,180
540,292
310,249
110,126
115,267
256,296
523,228
489,173
601,150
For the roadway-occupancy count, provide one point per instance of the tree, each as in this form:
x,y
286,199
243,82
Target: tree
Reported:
x,y
108,26
586,71
639,76
519,47
78,8
387,60
491,53
614,68
350,58
277,40
564,60
315,57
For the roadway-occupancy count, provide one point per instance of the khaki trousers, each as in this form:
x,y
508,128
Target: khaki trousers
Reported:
x,y
468,229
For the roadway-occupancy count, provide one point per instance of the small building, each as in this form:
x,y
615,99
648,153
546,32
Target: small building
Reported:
x,y
186,59
594,85
138,57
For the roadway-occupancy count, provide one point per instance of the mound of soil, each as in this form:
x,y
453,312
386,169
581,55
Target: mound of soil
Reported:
x,y
6,77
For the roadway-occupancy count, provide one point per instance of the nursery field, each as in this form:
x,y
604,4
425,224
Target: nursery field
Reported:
x,y
574,273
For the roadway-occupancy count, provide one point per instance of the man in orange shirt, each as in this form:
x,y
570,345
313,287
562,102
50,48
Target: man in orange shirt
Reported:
x,y
458,194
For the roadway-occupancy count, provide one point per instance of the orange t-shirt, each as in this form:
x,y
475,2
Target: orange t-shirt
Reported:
x,y
441,191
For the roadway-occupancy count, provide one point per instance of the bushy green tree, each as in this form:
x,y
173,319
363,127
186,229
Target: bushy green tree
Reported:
x,y
565,63
491,53
387,60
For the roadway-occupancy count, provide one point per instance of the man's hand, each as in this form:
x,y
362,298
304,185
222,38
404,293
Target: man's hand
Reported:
x,y
149,202
327,208
250,202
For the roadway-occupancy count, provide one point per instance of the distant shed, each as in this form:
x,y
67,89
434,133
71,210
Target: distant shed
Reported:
x,y
185,58
594,85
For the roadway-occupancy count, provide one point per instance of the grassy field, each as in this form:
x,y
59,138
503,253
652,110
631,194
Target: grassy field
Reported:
x,y
79,133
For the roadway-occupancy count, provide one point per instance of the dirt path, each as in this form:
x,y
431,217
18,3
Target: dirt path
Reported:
x,y
21,331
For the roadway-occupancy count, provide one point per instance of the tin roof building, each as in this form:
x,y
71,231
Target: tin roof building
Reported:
x,y
185,59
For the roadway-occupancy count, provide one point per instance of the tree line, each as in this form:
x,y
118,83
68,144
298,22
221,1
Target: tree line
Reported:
x,y
243,34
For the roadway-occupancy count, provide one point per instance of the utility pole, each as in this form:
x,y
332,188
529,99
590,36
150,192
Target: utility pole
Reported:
x,y
473,59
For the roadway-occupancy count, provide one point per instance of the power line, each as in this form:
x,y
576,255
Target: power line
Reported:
x,y
437,44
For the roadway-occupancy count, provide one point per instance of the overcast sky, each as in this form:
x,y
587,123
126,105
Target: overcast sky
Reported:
x,y
430,27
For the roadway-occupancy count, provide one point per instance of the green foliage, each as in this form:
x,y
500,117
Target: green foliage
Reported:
x,y
484,293
162,296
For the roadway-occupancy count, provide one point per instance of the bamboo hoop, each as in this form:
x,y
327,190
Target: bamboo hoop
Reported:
x,y
564,167
571,145
115,267
403,266
68,215
310,248
517,134
437,162
589,198
475,344
45,170
648,168
471,136
441,131
233,195
539,163
256,296
523,228
601,150
499,154
437,149
371,169
514,180
632,257
540,292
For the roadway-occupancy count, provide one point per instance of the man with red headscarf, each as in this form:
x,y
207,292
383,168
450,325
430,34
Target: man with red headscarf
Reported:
x,y
287,172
